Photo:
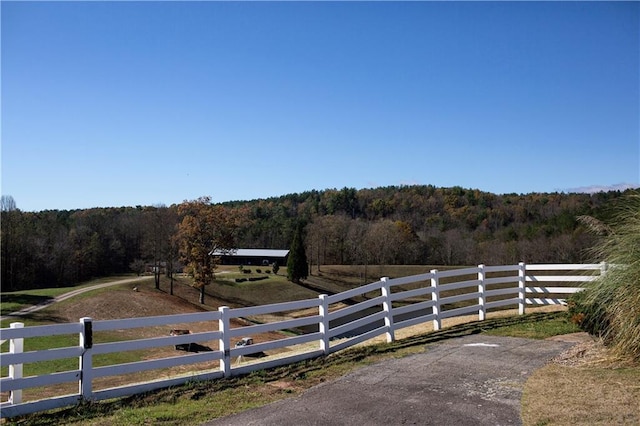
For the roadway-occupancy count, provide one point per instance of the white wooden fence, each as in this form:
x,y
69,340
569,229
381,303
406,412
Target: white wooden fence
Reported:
x,y
335,322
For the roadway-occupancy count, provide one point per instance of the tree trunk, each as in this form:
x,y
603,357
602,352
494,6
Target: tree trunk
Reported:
x,y
202,295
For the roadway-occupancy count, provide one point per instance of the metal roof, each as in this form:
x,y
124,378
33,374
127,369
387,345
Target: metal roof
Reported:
x,y
251,253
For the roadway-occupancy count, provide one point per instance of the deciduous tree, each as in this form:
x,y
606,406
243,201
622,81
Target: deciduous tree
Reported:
x,y
204,229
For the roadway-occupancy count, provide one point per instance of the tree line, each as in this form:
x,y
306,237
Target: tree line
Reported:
x,y
419,224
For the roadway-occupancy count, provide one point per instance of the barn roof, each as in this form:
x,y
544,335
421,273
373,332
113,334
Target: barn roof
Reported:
x,y
251,253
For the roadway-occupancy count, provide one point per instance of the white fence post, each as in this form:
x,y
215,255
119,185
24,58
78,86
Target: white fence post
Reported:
x,y
224,326
482,312
16,346
386,307
522,286
603,268
435,296
324,323
86,360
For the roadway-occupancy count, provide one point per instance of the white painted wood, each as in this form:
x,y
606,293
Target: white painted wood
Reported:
x,y
154,385
458,272
413,321
539,301
435,297
407,309
275,307
501,291
459,298
354,309
458,285
501,280
360,322
273,326
224,343
522,283
9,384
358,339
39,330
557,278
504,302
501,268
355,292
323,310
449,313
387,308
16,348
127,323
482,312
410,279
407,294
564,267
9,411
152,364
430,284
550,290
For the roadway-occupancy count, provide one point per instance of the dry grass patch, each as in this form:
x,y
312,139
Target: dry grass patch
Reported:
x,y
583,386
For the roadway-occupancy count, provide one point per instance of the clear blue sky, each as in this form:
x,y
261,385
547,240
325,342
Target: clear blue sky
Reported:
x,y
109,104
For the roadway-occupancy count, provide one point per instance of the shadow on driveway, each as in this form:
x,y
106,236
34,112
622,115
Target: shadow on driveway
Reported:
x,y
471,380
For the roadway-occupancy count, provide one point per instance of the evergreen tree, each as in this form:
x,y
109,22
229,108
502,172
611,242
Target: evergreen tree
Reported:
x,y
297,264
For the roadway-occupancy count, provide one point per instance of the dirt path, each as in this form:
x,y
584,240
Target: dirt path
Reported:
x,y
65,296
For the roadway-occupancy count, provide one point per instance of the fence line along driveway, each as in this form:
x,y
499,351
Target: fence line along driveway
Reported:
x,y
388,306
472,380
31,309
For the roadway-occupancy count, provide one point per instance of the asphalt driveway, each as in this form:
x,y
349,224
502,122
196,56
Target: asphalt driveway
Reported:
x,y
471,380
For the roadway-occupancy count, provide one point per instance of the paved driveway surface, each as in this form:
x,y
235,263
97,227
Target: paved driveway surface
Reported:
x,y
472,380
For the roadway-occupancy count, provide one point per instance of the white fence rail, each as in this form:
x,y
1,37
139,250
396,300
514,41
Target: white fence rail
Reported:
x,y
332,323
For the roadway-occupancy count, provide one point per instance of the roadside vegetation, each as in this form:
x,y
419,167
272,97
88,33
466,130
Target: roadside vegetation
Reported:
x,y
610,307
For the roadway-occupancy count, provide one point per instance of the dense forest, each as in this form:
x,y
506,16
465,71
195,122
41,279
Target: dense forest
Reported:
x,y
388,225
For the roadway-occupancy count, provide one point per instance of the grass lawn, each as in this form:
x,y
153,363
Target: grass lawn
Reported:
x,y
16,300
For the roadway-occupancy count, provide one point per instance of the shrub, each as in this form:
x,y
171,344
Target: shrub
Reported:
x,y
258,271
246,271
257,278
610,306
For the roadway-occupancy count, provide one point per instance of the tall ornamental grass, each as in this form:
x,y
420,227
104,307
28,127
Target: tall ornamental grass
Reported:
x,y
610,306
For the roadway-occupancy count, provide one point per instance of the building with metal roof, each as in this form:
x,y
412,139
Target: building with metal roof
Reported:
x,y
252,256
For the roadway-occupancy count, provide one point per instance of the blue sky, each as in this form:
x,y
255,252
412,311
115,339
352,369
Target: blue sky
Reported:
x,y
109,104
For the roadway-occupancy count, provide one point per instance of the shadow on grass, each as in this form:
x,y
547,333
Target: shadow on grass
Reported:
x,y
296,371
34,318
24,300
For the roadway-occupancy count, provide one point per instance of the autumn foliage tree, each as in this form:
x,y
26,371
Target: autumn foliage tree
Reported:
x,y
203,229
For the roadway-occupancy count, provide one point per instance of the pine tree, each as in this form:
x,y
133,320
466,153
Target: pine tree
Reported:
x,y
297,264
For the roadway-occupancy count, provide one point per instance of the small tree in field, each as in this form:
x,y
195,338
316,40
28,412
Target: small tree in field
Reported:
x,y
137,266
297,267
275,268
204,228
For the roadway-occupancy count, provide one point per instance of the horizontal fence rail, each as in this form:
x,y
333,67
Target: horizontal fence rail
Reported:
x,y
305,329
